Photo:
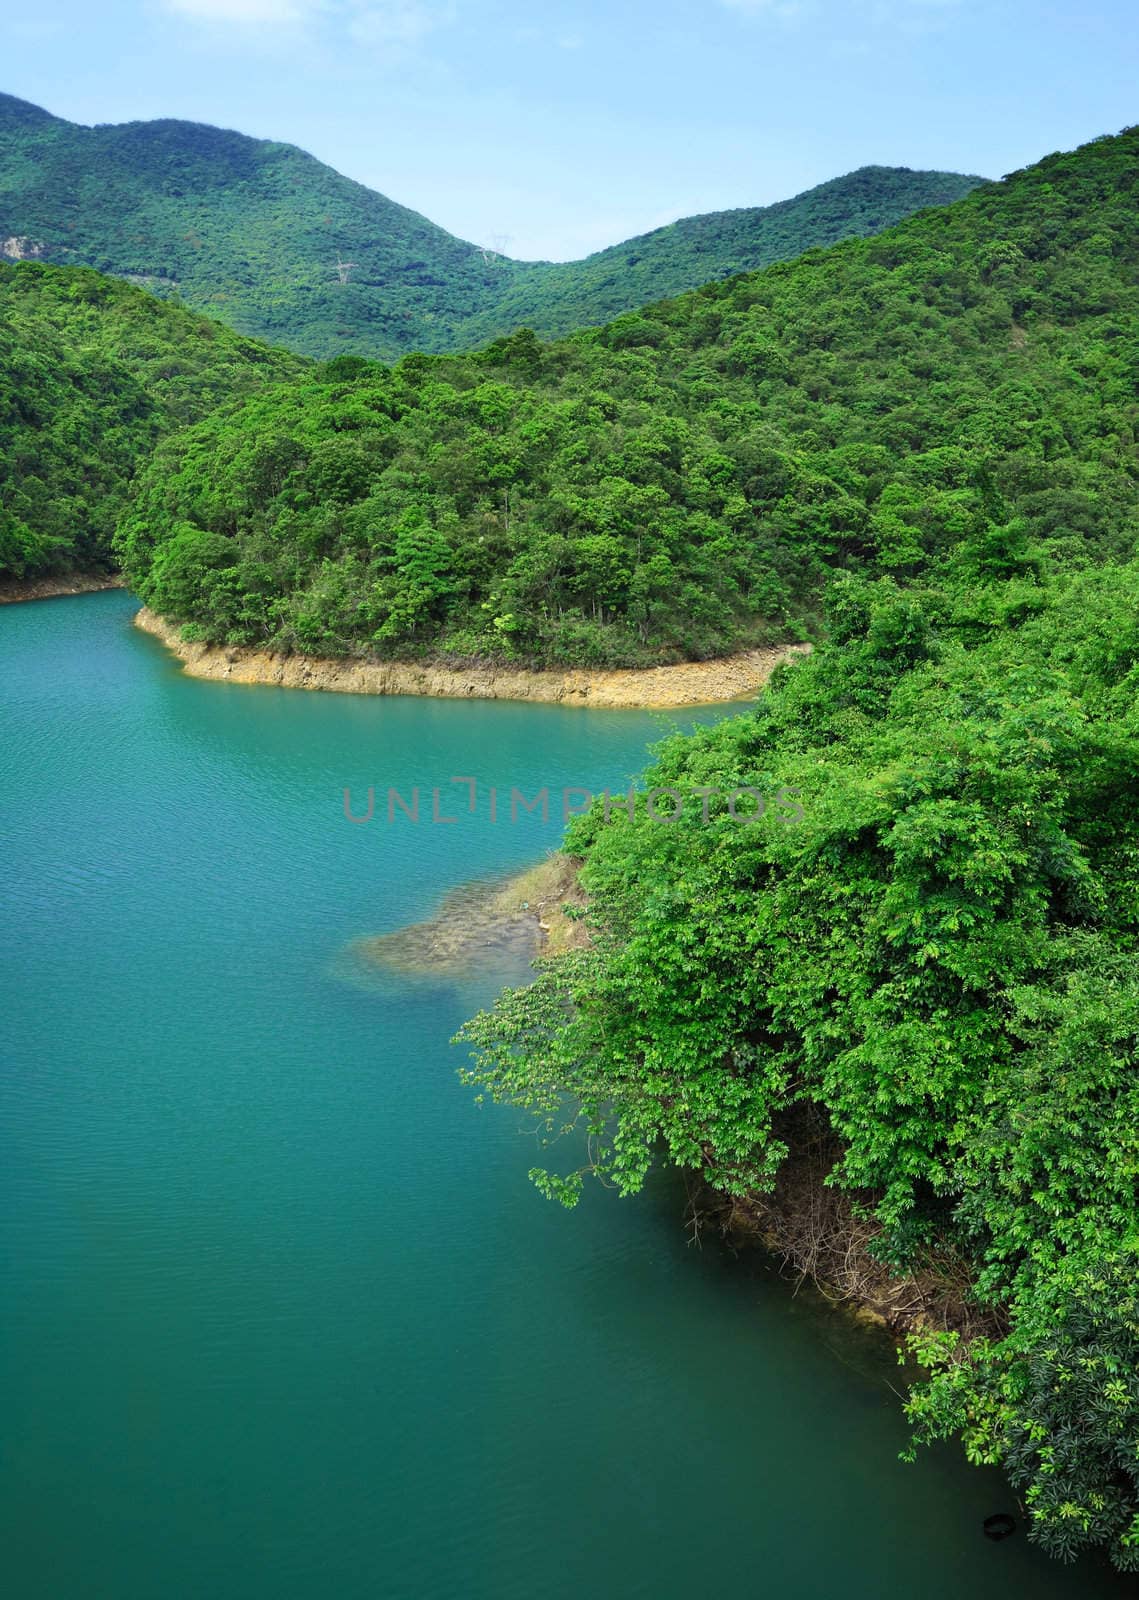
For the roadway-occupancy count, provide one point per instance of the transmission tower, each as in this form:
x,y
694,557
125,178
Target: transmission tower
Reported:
x,y
496,249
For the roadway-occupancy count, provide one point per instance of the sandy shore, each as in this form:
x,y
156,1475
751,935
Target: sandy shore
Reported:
x,y
13,590
691,683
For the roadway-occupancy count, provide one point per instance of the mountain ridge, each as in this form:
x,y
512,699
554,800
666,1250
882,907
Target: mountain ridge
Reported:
x,y
266,237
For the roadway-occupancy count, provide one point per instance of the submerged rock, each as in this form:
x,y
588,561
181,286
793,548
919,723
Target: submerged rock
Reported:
x,y
479,923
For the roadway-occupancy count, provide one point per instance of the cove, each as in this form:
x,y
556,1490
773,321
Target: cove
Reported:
x,y
283,1316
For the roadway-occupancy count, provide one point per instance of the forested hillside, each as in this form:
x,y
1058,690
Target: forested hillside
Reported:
x,y
907,964
558,298
92,374
247,230
260,234
686,479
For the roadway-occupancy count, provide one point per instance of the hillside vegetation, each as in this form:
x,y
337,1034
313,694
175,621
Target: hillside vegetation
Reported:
x,y
94,374
558,298
253,232
910,957
684,480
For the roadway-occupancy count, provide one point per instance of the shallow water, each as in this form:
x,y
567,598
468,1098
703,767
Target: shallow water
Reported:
x,y
282,1315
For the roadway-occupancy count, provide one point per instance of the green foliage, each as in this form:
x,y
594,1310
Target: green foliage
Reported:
x,y
938,961
94,374
940,956
252,231
953,399
555,298
1056,1404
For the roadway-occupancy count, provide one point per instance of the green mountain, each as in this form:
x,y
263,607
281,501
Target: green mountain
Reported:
x,y
259,235
92,374
684,480
556,299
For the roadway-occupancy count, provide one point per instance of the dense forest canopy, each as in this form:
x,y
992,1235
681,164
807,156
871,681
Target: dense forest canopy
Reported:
x,y
94,374
685,480
932,975
558,298
253,232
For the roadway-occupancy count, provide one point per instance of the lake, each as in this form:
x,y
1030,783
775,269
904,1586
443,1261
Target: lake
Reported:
x,y
283,1316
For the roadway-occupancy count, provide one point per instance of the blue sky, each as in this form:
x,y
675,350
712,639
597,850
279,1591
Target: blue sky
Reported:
x,y
554,129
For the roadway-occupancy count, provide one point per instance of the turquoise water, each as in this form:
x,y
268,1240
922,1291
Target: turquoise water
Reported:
x,y
282,1315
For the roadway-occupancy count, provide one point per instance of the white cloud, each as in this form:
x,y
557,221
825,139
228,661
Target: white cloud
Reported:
x,y
385,23
244,11
395,22
782,10
31,28
529,34
882,13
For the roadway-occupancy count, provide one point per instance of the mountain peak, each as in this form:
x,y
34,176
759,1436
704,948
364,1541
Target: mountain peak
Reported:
x,y
16,113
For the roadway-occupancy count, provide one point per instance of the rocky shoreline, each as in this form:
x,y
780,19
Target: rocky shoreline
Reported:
x,y
735,677
56,585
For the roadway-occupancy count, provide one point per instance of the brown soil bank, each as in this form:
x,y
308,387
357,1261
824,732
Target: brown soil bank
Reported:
x,y
692,683
823,1238
58,583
